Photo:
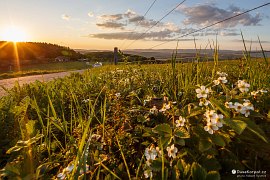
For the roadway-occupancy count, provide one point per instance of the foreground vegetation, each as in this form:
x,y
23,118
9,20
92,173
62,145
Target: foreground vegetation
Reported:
x,y
173,121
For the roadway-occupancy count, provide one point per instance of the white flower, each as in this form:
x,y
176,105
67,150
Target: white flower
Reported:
x,y
210,128
204,102
148,173
219,123
165,107
68,169
220,80
118,95
202,92
247,107
216,82
180,122
222,74
158,151
85,100
172,151
211,116
229,105
150,153
239,107
61,176
154,110
243,86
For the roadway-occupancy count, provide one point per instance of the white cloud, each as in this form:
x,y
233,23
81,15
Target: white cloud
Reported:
x,y
65,17
90,14
203,15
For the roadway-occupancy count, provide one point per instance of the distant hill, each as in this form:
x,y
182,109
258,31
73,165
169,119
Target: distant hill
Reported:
x,y
188,53
33,52
108,56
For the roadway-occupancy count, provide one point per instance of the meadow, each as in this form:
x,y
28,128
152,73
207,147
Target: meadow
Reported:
x,y
198,120
43,68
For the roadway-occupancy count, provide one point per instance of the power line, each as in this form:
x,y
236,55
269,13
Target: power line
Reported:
x,y
229,18
140,21
157,22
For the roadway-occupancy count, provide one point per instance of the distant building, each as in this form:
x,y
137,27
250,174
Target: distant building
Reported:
x,y
83,59
97,64
62,59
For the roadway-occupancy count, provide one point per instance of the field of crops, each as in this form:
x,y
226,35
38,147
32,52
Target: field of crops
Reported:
x,y
201,120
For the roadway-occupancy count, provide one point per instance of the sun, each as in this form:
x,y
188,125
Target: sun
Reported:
x,y
14,34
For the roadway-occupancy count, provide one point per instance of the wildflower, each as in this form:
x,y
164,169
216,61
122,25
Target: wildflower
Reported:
x,y
229,105
219,123
247,107
220,80
61,176
148,173
204,102
154,110
165,107
172,151
239,107
65,172
118,95
202,92
255,93
222,74
180,122
158,152
85,100
243,86
150,153
210,127
211,116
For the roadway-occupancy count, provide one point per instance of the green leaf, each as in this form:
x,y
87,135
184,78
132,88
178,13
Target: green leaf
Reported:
x,y
213,175
237,125
165,141
204,145
163,129
196,112
179,141
218,140
156,165
211,164
141,118
220,107
181,133
253,127
198,172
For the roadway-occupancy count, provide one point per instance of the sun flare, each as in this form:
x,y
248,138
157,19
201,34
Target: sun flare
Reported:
x,y
14,34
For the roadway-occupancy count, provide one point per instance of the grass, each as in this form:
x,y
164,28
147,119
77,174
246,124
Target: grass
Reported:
x,y
120,122
45,68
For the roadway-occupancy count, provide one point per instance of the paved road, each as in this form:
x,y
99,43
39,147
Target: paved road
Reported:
x,y
9,83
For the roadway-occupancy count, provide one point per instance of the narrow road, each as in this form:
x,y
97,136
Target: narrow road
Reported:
x,y
9,83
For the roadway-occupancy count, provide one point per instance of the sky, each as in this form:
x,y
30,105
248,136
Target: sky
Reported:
x,y
105,24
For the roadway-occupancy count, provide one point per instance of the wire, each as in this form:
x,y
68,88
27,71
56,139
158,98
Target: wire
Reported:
x,y
229,18
156,23
139,21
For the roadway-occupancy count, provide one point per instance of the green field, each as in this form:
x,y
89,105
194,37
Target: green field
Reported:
x,y
197,120
44,68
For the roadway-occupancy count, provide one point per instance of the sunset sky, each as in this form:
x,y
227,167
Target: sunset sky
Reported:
x,y
104,24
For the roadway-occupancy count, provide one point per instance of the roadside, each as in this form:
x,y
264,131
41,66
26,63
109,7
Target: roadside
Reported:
x,y
9,83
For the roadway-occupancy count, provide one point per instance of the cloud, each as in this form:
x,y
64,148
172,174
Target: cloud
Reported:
x,y
90,14
132,18
165,35
113,17
65,17
203,15
111,25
